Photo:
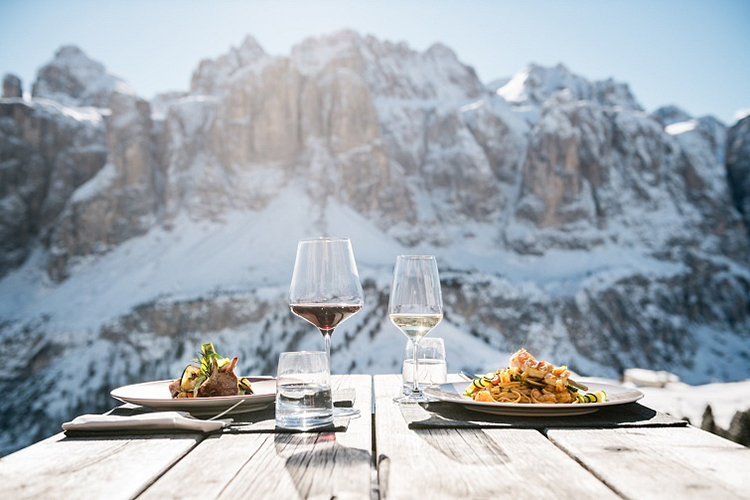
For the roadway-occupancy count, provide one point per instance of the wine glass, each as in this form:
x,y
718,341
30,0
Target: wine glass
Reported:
x,y
415,307
325,288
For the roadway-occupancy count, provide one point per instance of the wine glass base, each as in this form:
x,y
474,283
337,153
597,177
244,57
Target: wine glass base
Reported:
x,y
415,398
345,412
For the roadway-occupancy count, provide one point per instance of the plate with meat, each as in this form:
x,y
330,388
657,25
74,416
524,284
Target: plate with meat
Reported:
x,y
206,387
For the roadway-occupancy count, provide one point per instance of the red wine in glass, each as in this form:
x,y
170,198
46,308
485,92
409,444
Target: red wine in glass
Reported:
x,y
325,316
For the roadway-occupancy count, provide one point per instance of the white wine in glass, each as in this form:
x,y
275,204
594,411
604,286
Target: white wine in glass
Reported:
x,y
325,288
415,326
415,307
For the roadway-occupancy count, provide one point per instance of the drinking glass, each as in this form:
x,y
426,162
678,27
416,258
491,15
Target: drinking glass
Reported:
x,y
433,370
303,391
325,288
415,307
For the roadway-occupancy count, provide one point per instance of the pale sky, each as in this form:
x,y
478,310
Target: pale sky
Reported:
x,y
692,53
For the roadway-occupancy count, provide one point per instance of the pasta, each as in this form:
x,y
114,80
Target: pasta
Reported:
x,y
529,381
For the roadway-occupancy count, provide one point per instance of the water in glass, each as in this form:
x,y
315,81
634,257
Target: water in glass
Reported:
x,y
303,391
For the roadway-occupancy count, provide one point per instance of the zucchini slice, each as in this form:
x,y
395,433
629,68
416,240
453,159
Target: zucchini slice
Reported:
x,y
187,382
244,386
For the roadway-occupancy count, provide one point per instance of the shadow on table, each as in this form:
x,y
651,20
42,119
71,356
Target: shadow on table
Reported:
x,y
319,466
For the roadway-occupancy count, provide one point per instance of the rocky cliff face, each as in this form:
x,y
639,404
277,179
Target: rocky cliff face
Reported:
x,y
122,200
46,153
738,166
566,219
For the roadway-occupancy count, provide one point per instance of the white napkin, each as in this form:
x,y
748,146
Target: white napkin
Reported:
x,y
162,420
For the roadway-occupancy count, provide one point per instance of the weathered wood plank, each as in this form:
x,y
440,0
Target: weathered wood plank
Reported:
x,y
470,463
279,466
661,462
112,468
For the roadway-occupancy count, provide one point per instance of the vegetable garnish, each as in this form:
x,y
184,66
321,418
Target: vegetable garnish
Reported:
x,y
210,375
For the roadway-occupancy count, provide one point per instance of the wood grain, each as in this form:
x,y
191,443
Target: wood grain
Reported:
x,y
661,462
470,463
111,468
305,465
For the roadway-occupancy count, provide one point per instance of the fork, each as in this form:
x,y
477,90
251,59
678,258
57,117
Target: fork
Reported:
x,y
468,376
227,410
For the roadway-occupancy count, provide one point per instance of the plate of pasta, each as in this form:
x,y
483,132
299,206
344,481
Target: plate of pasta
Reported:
x,y
528,387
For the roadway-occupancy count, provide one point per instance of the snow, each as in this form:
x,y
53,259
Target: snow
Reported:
x,y
514,90
649,378
245,249
681,127
690,401
102,180
85,115
741,113
535,84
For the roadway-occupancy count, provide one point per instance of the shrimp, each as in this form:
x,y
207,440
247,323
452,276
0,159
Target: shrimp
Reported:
x,y
543,397
554,383
550,379
522,359
564,397
483,396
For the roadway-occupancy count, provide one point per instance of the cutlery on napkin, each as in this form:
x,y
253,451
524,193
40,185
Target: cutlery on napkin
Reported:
x,y
164,420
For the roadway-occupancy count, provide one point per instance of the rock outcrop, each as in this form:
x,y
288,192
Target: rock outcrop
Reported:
x,y
80,119
12,86
738,167
46,153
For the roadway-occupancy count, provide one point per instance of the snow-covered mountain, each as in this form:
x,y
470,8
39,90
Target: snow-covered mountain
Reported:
x,y
566,219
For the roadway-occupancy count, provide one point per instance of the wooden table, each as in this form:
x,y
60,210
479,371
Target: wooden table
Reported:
x,y
278,466
668,462
382,457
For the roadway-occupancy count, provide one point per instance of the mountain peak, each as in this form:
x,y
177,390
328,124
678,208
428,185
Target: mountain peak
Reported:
x,y
559,71
212,75
72,78
440,50
70,52
345,35
314,53
670,114
250,44
247,53
536,83
342,40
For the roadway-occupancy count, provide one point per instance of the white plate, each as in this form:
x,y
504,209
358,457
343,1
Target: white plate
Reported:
x,y
453,393
156,395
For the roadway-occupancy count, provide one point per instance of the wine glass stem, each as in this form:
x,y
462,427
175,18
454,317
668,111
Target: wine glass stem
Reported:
x,y
327,337
415,381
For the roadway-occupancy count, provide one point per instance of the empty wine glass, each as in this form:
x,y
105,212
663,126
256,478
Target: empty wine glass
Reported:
x,y
325,288
415,307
